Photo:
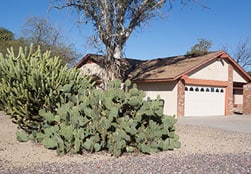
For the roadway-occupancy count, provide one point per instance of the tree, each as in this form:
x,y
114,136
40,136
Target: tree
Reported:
x,y
41,32
242,54
115,20
200,48
6,35
7,40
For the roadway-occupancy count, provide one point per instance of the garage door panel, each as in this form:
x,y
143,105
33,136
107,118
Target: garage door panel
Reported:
x,y
205,101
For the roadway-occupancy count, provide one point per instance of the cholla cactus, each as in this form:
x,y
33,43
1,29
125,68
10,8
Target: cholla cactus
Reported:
x,y
30,81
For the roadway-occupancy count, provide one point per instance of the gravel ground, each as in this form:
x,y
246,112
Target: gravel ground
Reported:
x,y
204,150
207,163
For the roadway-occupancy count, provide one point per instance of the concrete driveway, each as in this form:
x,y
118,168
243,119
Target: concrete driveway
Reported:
x,y
233,123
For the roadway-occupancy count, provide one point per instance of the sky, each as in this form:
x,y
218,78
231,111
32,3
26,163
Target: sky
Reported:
x,y
225,23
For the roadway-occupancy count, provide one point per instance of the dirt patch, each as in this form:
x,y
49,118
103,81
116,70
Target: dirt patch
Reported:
x,y
15,153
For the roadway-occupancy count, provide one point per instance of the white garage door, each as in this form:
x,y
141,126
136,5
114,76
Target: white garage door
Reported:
x,y
204,101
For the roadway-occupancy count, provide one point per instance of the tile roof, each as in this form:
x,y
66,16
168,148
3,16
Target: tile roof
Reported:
x,y
170,67
161,69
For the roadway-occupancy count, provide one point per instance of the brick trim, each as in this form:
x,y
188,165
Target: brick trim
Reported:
x,y
247,99
181,98
229,106
203,82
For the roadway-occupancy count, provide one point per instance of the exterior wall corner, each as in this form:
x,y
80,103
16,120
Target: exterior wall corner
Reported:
x,y
229,92
181,98
247,99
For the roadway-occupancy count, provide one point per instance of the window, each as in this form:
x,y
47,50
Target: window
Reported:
x,y
217,90
197,89
222,90
186,89
212,89
191,89
201,89
207,90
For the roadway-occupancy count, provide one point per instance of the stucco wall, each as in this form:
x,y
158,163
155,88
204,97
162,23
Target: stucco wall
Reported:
x,y
166,90
211,71
92,69
237,77
238,96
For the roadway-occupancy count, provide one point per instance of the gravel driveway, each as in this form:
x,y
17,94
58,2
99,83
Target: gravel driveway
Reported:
x,y
204,150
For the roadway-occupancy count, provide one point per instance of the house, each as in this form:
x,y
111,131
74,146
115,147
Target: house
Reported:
x,y
211,84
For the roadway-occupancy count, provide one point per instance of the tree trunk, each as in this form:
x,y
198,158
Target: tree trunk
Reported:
x,y
118,52
112,65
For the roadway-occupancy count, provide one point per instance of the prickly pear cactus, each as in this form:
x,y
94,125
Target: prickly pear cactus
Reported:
x,y
108,120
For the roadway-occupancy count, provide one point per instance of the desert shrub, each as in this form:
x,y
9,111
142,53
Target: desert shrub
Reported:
x,y
117,120
30,81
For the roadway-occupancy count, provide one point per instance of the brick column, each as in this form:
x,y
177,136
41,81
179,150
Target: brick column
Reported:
x,y
247,99
181,98
229,92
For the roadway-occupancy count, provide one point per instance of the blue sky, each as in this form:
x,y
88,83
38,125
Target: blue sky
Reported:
x,y
225,24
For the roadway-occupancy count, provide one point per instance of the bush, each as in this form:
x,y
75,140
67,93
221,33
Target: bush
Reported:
x,y
31,81
117,120
58,108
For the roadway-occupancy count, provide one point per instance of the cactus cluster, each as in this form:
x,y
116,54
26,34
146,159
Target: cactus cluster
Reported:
x,y
60,109
30,81
117,120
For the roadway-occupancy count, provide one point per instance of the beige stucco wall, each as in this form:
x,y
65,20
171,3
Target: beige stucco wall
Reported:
x,y
211,71
166,90
238,96
92,69
237,77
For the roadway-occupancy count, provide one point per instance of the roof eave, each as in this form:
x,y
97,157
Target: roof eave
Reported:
x,y
82,61
154,80
198,66
227,56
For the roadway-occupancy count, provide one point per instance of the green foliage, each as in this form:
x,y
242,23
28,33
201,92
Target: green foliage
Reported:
x,y
201,48
6,35
22,136
7,39
29,82
58,108
117,120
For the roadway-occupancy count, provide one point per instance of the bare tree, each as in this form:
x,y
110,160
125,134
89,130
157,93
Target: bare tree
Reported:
x,y
115,20
41,32
242,54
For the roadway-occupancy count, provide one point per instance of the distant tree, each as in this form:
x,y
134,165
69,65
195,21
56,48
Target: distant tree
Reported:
x,y
200,48
242,54
41,32
7,40
6,35
114,21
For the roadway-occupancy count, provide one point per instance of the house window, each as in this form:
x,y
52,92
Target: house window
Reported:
x,y
186,89
221,90
217,90
191,89
212,89
207,90
201,89
197,89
